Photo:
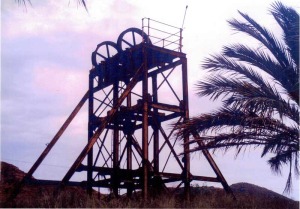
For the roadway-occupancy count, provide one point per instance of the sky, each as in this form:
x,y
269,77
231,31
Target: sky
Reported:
x,y
45,61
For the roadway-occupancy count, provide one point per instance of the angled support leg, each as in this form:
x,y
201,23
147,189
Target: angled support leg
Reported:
x,y
101,128
19,186
214,165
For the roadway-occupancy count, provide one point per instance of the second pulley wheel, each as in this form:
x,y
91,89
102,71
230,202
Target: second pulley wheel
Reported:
x,y
104,50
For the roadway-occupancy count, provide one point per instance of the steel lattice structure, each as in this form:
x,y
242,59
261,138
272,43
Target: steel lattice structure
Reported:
x,y
138,87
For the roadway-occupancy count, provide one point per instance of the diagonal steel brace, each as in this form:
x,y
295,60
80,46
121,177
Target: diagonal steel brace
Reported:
x,y
213,165
102,127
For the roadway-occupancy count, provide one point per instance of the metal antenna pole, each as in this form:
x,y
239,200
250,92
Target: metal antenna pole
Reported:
x,y
184,16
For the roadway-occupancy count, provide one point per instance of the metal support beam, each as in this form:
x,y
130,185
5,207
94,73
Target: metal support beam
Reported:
x,y
57,136
129,151
92,141
167,107
90,133
115,180
145,125
154,126
171,147
186,145
213,165
37,163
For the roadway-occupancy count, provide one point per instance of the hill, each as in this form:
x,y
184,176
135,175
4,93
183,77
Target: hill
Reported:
x,y
248,196
39,196
253,190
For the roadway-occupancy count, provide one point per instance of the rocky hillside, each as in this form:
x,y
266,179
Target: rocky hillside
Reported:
x,y
268,197
37,196
247,189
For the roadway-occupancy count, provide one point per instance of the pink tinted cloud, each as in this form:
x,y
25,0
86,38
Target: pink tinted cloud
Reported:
x,y
53,79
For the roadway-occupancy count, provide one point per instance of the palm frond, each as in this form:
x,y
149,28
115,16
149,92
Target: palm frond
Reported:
x,y
253,29
83,3
281,159
275,47
236,121
244,88
24,3
288,19
286,78
223,64
256,111
246,130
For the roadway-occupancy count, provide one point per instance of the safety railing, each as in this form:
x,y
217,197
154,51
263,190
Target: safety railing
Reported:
x,y
162,34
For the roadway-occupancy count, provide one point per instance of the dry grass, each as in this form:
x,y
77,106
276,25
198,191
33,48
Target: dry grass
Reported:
x,y
248,196
200,198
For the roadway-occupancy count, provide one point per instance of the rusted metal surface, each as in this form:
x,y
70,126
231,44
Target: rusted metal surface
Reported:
x,y
170,146
147,112
163,35
57,136
214,166
129,152
116,150
155,126
145,125
90,134
93,140
167,107
186,148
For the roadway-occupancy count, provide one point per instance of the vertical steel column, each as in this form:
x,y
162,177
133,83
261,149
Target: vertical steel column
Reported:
x,y
115,180
145,124
148,27
101,127
186,137
154,126
180,41
129,152
90,133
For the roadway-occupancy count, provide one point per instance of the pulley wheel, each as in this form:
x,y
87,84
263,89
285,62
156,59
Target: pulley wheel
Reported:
x,y
131,37
104,50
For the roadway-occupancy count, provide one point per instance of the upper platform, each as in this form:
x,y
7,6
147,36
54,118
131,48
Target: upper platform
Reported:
x,y
152,47
123,66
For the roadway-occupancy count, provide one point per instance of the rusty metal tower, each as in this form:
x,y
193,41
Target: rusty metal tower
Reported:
x,y
131,109
138,87
127,79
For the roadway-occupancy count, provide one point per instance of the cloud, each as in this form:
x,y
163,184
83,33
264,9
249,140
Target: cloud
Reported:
x,y
46,60
52,79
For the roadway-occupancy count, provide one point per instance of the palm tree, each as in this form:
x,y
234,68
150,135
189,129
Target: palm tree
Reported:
x,y
259,88
25,2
